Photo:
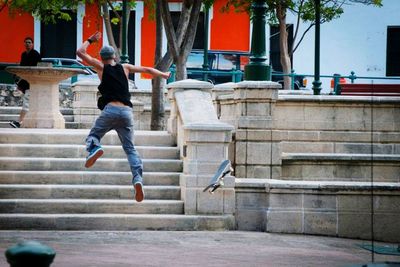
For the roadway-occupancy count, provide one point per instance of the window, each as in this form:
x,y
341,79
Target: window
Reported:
x,y
393,51
226,62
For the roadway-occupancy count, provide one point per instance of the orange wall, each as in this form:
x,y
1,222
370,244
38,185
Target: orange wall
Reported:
x,y
92,22
148,42
234,37
229,31
13,30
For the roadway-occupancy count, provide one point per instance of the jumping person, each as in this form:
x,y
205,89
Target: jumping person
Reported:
x,y
116,108
30,57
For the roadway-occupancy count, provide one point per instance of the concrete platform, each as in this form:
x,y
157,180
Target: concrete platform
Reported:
x,y
160,248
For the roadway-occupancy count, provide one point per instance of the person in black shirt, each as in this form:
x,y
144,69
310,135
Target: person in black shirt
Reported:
x,y
116,108
30,57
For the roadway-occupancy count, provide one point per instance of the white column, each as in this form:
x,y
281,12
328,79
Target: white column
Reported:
x,y
36,34
139,14
79,25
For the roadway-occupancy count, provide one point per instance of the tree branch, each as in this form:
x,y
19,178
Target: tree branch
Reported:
x,y
192,28
113,10
169,29
302,37
297,27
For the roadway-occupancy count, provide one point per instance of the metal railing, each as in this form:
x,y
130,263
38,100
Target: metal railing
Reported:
x,y
237,76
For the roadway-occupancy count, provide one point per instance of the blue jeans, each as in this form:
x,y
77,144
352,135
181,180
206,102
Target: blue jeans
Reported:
x,y
119,119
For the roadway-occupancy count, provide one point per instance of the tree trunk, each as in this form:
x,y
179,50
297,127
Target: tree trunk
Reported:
x,y
128,12
283,44
180,44
157,97
107,23
180,64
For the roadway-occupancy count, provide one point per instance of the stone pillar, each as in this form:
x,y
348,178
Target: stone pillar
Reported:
x,y
85,101
205,147
139,120
224,89
203,142
258,153
172,122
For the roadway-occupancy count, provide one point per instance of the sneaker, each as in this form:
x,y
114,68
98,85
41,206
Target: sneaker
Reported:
x,y
96,153
139,193
15,124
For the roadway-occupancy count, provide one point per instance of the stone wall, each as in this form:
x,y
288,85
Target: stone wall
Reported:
x,y
342,209
307,162
10,96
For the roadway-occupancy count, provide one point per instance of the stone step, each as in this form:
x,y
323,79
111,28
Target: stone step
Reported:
x,y
87,206
68,125
79,151
341,167
48,191
340,147
86,177
15,117
77,164
78,136
116,222
17,110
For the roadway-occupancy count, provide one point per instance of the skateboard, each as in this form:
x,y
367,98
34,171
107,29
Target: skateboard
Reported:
x,y
218,179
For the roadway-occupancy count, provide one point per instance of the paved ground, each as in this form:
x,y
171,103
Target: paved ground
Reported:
x,y
152,248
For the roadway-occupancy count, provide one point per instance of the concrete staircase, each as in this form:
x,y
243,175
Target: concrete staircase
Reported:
x,y
44,185
12,113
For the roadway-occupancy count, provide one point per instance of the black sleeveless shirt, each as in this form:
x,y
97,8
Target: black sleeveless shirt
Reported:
x,y
114,86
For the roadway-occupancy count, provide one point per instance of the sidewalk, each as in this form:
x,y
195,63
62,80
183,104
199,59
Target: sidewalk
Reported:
x,y
157,248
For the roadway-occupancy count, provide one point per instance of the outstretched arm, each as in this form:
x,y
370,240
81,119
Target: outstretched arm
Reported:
x,y
82,53
152,71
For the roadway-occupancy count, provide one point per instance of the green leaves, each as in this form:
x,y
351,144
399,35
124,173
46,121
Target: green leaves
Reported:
x,y
52,10
46,11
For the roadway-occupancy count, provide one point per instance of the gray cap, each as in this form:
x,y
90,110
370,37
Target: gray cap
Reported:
x,y
107,52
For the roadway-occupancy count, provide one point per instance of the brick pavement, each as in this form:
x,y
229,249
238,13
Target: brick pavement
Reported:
x,y
160,248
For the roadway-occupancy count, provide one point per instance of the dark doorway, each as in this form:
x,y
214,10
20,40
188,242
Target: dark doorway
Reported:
x,y
131,34
59,39
198,40
393,51
274,49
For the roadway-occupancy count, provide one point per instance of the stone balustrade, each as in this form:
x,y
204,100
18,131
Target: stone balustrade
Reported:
x,y
203,141
307,162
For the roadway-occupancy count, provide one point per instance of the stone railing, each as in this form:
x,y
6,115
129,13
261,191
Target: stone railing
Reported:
x,y
203,141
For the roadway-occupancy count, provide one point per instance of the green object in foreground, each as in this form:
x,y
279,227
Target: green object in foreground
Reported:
x,y
30,253
384,250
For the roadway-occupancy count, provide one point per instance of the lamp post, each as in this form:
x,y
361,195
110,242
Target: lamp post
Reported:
x,y
124,55
317,83
205,58
258,69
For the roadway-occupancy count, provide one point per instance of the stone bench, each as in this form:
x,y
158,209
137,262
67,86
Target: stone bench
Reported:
x,y
370,89
341,167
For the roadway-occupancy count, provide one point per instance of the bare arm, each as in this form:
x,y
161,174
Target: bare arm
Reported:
x,y
152,71
82,53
